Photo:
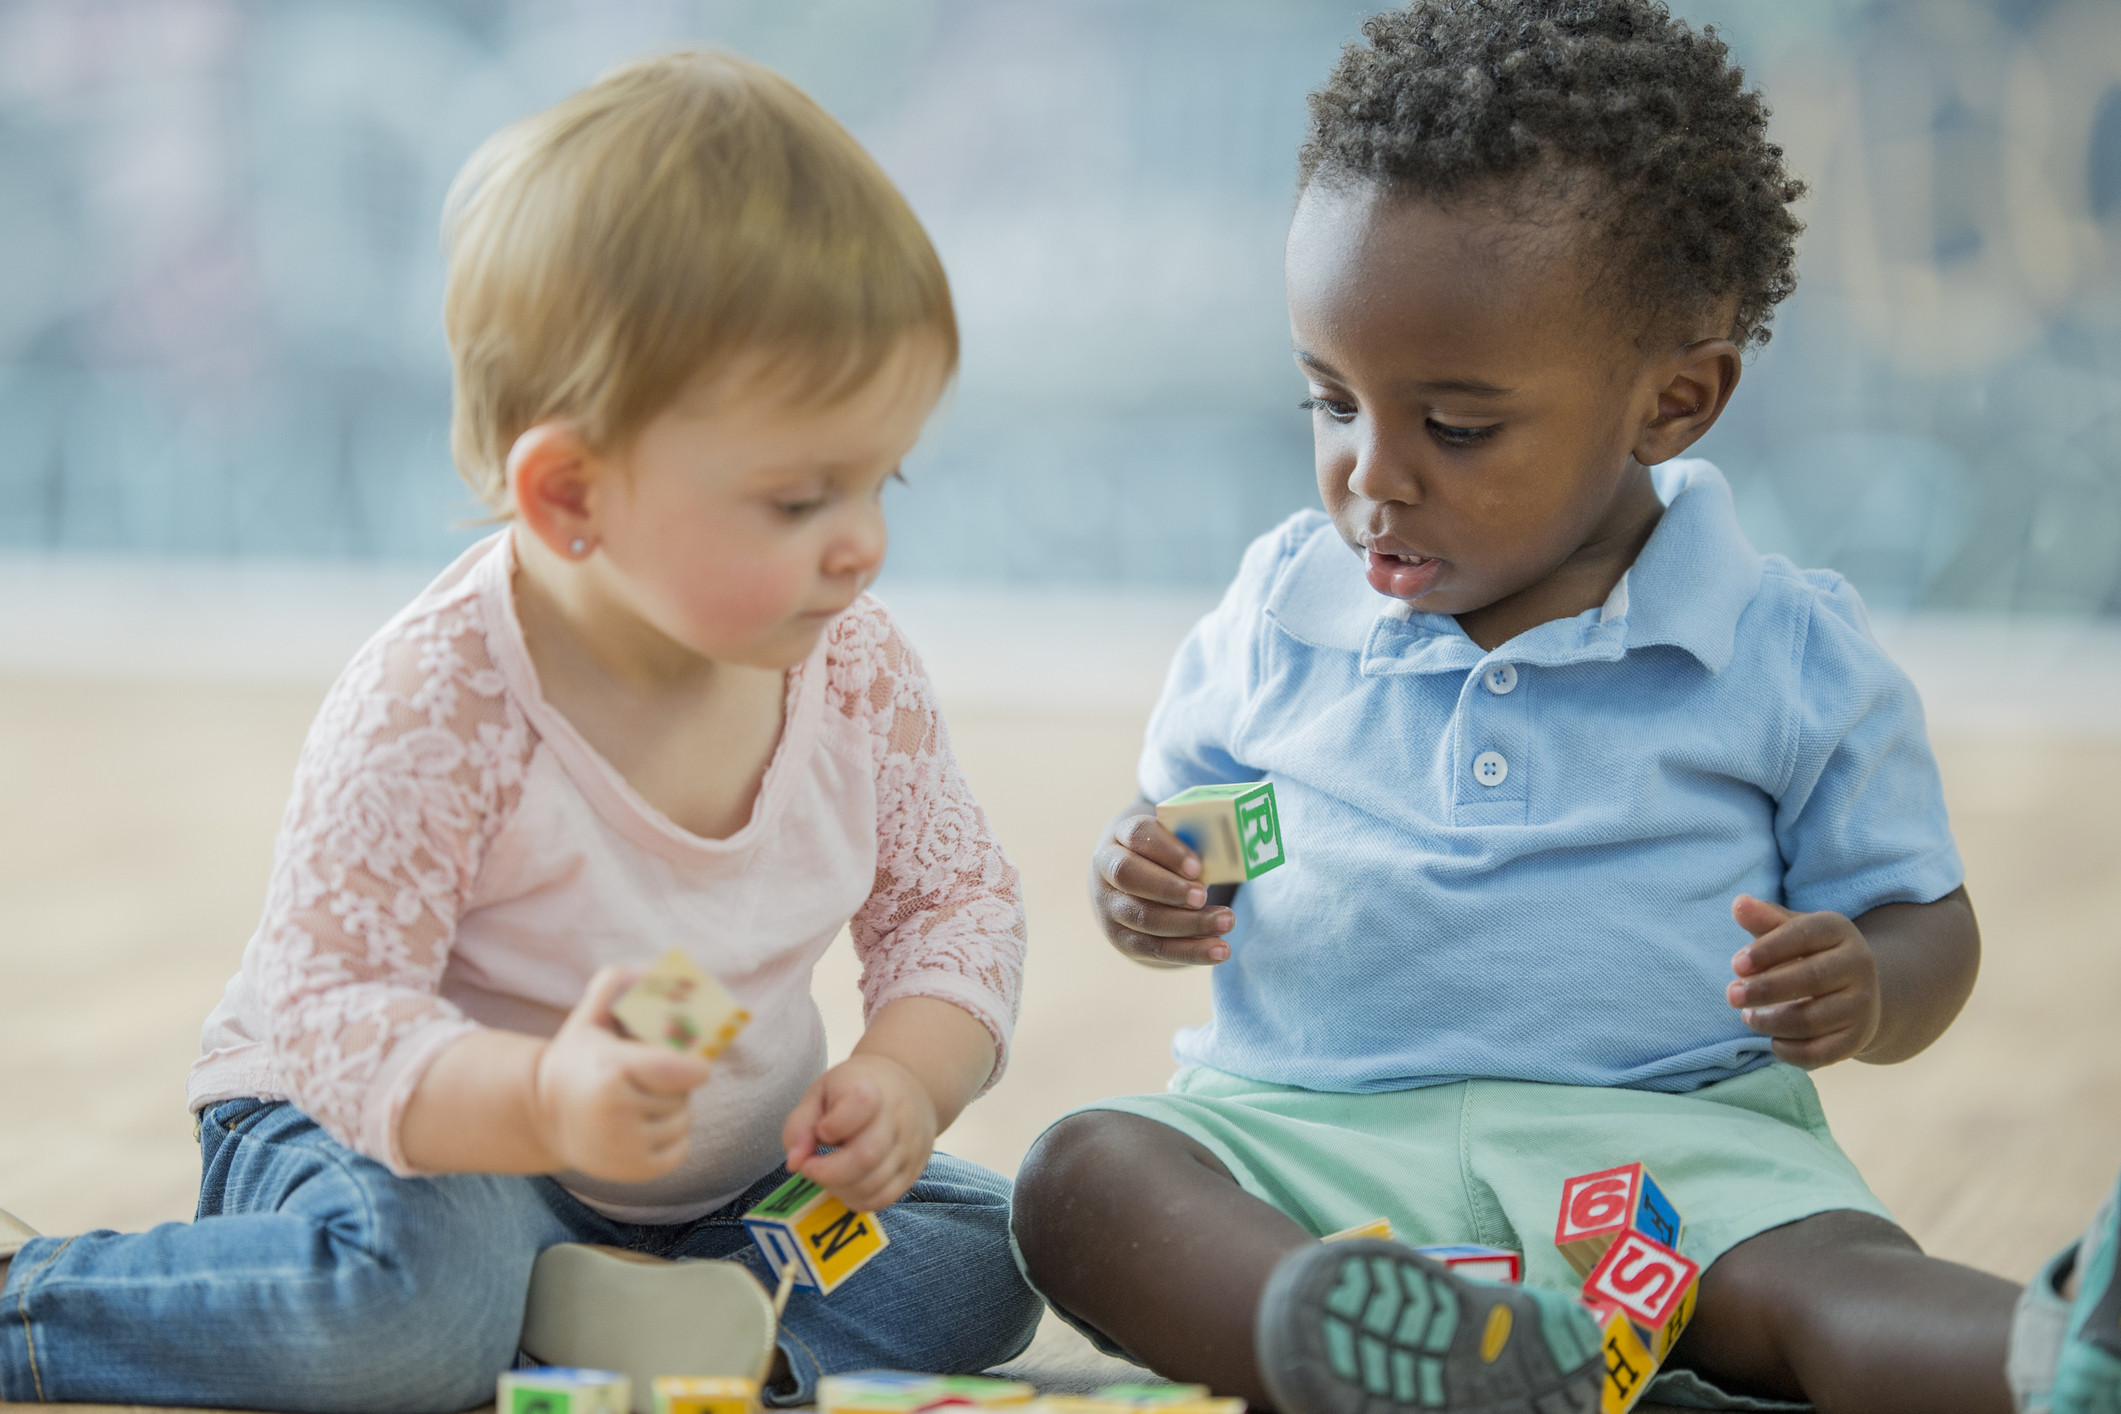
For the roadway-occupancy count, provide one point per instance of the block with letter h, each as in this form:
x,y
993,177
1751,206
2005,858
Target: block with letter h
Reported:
x,y
1597,1208
805,1230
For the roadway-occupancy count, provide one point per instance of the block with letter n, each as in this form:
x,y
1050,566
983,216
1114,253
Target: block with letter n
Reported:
x,y
1236,829
801,1226
1597,1208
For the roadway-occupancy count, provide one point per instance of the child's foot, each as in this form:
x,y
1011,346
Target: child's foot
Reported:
x,y
610,1309
2088,1372
1368,1327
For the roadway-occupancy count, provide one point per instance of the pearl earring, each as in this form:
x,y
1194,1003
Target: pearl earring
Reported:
x,y
578,547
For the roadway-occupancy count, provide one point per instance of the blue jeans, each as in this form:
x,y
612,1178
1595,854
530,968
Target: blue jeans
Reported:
x,y
315,1280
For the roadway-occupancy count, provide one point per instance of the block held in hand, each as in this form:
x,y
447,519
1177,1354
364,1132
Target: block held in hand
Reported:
x,y
1236,830
802,1227
675,1004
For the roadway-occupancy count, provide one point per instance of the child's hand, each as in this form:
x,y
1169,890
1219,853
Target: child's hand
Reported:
x,y
1145,887
880,1122
607,1106
1808,980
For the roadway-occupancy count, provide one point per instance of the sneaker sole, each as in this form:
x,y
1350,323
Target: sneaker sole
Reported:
x,y
1369,1327
608,1309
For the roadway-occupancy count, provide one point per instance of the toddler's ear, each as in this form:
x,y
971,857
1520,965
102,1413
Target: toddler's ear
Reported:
x,y
1693,387
552,472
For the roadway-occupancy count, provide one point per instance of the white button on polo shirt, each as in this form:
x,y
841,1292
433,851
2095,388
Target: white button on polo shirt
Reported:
x,y
1500,678
1490,769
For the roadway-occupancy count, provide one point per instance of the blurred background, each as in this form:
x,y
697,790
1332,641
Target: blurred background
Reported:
x,y
223,406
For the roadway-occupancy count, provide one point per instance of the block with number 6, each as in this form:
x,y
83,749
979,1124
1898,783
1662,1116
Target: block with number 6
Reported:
x,y
1596,1208
825,1241
1235,830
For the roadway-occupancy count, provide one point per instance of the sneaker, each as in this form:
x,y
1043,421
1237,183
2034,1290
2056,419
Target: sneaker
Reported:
x,y
2088,1370
13,1233
1366,1327
608,1309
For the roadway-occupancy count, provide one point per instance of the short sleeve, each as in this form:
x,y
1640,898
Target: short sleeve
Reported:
x,y
1861,820
1191,736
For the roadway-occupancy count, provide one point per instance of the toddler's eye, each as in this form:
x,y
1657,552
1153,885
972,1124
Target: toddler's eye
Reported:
x,y
1452,435
1338,411
796,510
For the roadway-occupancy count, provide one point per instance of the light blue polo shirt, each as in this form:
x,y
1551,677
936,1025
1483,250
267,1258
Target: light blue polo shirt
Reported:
x,y
1520,864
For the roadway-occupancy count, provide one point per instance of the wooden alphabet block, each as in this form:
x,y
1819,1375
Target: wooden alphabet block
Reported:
x,y
1646,1279
1470,1259
562,1389
1596,1208
1379,1228
1628,1366
803,1226
905,1392
677,1005
705,1394
1235,829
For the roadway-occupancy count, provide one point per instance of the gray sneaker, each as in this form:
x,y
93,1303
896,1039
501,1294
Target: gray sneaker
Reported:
x,y
1368,1327
609,1309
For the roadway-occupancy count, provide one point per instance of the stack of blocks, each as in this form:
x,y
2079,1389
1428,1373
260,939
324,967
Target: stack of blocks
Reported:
x,y
1235,830
1621,1235
811,1238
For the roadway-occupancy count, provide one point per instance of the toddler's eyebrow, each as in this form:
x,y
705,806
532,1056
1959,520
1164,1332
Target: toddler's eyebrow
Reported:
x,y
1473,387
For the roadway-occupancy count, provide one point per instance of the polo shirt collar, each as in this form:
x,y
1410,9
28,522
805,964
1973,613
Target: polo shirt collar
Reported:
x,y
1685,590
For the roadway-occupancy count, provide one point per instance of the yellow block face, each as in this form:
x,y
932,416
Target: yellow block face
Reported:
x,y
1379,1228
1628,1365
678,1005
835,1240
705,1394
1667,1335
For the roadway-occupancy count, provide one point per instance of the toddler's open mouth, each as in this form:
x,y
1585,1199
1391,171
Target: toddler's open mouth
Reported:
x,y
1402,574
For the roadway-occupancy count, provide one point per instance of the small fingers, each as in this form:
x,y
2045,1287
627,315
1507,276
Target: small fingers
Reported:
x,y
1814,1016
1145,835
1142,878
1811,976
1171,952
1800,936
1162,921
606,987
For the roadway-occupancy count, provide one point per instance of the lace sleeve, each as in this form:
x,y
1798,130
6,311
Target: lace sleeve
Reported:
x,y
412,766
945,918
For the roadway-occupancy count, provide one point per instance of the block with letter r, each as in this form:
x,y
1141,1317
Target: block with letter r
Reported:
x,y
1235,829
802,1226
1596,1208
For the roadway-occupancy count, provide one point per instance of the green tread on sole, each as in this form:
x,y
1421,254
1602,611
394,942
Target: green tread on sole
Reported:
x,y
1378,1316
1432,1383
1402,1377
1446,1323
1340,1348
1347,1299
1414,1319
1375,1378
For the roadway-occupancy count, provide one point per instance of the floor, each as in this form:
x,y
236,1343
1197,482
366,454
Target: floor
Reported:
x,y
138,831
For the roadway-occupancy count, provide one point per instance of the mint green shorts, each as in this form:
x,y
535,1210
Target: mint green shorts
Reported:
x,y
1484,1161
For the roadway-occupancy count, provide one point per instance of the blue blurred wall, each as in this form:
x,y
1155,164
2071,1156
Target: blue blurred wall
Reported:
x,y
219,286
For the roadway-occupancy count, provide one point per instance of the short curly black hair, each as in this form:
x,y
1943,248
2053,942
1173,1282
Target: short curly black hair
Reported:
x,y
1451,98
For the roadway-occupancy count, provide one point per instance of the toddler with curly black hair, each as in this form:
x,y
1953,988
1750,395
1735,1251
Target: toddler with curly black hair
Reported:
x,y
1603,828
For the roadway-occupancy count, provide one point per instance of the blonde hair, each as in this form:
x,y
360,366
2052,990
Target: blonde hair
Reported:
x,y
643,233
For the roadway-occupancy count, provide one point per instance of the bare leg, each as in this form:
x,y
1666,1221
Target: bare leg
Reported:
x,y
1140,1231
1844,1310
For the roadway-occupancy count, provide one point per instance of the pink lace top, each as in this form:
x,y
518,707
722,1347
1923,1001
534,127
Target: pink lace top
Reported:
x,y
456,855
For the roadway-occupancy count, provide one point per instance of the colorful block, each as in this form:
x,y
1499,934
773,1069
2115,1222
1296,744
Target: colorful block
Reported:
x,y
1235,829
1644,1278
802,1226
1470,1259
1379,1228
705,1394
677,1005
562,1389
1628,1366
905,1392
1596,1208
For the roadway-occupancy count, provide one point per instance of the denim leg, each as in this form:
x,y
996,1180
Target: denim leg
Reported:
x,y
944,1297
313,1281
